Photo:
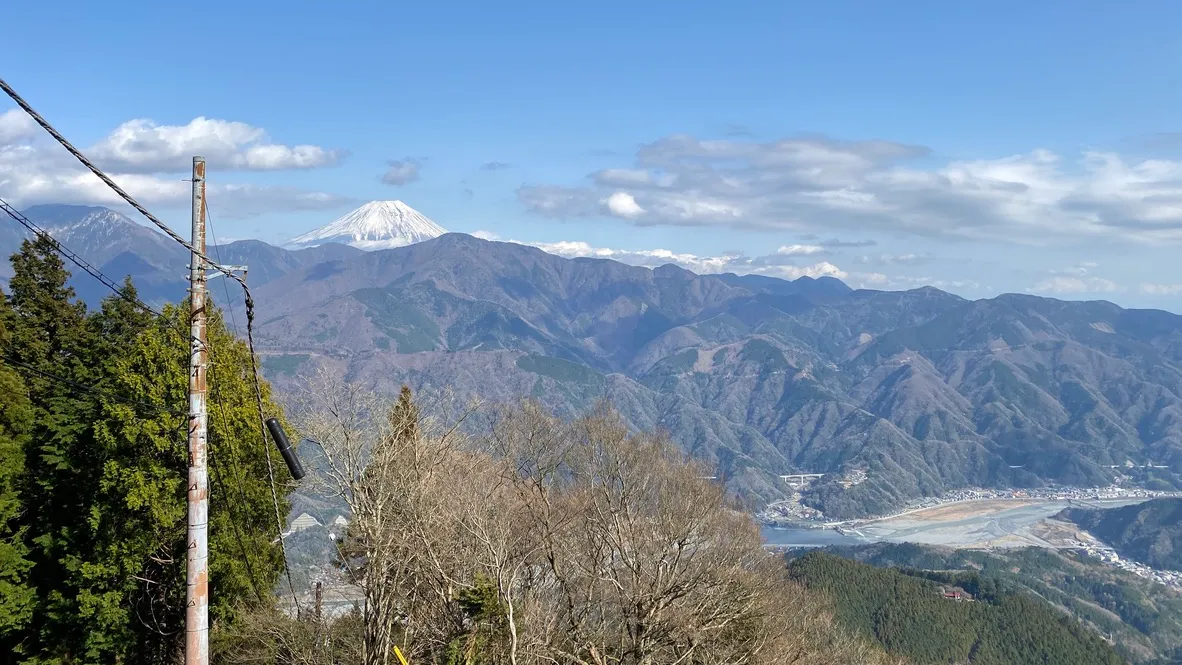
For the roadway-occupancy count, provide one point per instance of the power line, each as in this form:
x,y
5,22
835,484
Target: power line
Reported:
x,y
218,251
76,259
111,183
89,389
235,471
258,391
73,257
248,300
234,517
262,417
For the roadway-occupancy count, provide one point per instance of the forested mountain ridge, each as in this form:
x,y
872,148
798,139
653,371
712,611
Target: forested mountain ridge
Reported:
x,y
922,389
910,616
1149,532
1142,618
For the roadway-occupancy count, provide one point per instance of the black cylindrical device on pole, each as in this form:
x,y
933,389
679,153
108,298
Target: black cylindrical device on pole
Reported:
x,y
285,449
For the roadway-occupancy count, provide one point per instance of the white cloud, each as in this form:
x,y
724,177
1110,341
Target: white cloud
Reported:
x,y
643,257
793,250
15,125
621,204
1075,279
1065,284
894,259
880,281
34,169
822,269
1162,289
820,183
142,146
772,265
401,172
1079,269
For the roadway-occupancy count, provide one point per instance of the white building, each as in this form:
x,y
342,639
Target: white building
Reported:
x,y
304,521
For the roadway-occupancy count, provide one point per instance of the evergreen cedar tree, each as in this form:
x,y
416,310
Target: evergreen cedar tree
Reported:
x,y
93,482
16,417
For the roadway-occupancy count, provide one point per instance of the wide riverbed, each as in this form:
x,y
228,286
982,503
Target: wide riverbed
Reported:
x,y
985,523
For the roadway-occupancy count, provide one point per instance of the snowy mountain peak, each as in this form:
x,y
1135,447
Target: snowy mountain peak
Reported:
x,y
375,225
59,217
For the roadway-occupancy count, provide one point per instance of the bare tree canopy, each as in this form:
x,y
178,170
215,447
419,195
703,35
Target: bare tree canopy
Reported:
x,y
539,540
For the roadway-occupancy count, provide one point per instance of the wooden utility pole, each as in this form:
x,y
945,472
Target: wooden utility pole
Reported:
x,y
197,578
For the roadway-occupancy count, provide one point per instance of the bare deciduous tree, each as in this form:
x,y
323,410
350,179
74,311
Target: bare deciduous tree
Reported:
x,y
535,540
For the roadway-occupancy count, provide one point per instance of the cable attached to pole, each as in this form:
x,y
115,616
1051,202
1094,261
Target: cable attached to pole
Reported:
x,y
74,258
248,300
261,411
164,228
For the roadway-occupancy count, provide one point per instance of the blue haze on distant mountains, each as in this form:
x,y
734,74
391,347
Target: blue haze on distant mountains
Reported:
x,y
758,376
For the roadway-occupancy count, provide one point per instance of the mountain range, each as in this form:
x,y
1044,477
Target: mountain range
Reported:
x,y
922,390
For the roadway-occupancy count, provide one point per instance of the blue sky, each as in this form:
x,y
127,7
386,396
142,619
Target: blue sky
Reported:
x,y
978,146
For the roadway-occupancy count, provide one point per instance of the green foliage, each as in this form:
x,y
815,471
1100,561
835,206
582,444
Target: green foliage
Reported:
x,y
482,602
559,370
909,617
16,418
288,363
1143,618
396,314
484,615
678,363
93,481
764,354
50,334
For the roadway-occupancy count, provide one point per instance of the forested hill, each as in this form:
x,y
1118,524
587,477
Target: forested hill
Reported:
x,y
1141,617
1149,532
910,617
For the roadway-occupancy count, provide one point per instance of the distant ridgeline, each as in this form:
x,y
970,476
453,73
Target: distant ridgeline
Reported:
x,y
900,604
1150,532
921,620
892,395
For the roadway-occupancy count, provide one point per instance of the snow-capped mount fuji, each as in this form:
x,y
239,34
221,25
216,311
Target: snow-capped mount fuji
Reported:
x,y
375,225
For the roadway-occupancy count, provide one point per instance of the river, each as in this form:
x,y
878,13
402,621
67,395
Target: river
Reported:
x,y
985,523
808,537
